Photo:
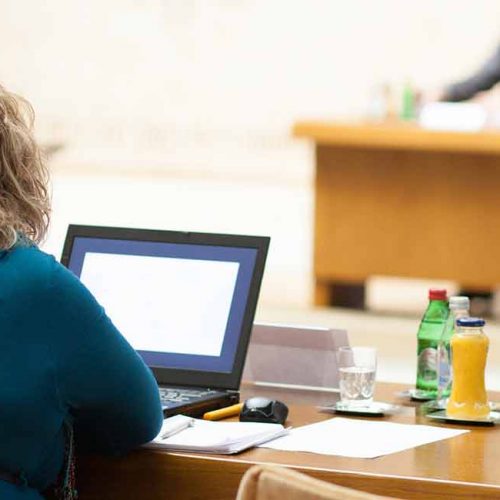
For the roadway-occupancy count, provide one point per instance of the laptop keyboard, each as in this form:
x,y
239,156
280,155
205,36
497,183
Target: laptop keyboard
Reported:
x,y
173,396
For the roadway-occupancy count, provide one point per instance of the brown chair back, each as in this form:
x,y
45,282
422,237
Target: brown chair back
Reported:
x,y
265,482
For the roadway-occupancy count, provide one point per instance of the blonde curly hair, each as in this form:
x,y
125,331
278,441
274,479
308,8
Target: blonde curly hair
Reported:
x,y
24,196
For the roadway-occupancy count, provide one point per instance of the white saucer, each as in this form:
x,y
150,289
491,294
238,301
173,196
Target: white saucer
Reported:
x,y
375,409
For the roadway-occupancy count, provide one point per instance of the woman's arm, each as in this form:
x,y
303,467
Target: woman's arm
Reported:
x,y
487,76
102,381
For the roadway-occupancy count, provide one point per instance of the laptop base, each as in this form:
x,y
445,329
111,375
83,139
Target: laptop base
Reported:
x,y
194,401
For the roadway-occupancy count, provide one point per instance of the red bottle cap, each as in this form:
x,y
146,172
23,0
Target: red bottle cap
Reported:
x,y
437,294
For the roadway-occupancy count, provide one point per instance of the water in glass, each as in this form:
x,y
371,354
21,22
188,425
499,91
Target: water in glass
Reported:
x,y
357,368
356,385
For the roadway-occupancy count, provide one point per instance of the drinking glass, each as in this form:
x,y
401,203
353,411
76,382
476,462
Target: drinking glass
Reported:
x,y
357,368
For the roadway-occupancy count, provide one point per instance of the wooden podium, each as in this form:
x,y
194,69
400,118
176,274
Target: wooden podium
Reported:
x,y
397,200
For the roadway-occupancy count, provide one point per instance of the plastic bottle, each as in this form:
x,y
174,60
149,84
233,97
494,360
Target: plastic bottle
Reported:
x,y
428,337
408,103
459,308
377,105
469,348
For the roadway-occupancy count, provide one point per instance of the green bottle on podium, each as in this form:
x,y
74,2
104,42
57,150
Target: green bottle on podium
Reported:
x,y
428,339
409,103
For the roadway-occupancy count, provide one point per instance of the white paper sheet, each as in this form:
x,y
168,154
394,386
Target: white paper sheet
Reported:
x,y
359,438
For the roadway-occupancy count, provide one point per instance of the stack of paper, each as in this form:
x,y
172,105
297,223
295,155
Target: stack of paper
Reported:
x,y
216,437
459,116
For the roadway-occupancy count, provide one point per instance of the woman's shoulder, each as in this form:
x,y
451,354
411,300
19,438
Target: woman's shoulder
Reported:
x,y
27,258
37,280
26,265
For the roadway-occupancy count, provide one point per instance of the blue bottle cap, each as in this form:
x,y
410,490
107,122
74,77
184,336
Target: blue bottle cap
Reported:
x,y
470,322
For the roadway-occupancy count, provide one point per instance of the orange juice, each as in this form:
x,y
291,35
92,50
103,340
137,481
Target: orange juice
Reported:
x,y
469,348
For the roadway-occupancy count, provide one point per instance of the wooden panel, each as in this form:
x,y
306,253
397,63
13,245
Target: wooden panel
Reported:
x,y
152,475
462,467
398,136
407,213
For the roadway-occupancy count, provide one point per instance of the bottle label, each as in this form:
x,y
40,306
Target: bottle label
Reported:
x,y
427,364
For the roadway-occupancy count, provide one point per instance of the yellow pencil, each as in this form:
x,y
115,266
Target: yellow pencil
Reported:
x,y
229,411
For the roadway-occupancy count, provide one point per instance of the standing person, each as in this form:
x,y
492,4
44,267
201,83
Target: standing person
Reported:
x,y
63,365
484,79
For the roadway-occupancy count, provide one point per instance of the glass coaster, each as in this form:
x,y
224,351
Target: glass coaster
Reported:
x,y
436,404
441,405
492,419
417,395
375,409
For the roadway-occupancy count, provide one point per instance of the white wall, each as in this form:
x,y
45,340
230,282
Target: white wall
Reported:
x,y
206,91
198,205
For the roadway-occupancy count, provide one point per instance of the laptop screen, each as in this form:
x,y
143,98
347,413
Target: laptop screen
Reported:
x,y
182,300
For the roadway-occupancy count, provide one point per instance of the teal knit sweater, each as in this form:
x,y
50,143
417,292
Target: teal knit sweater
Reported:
x,y
62,359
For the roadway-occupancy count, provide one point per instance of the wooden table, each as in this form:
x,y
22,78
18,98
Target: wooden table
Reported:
x,y
397,200
466,466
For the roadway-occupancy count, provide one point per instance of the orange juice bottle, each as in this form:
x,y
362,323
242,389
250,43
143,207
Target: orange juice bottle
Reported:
x,y
469,348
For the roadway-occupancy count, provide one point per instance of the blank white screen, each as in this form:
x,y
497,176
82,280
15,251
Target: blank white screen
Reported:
x,y
164,304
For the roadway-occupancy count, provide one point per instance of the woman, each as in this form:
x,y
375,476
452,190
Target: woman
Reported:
x,y
63,365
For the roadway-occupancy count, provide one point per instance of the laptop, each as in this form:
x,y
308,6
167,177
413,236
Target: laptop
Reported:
x,y
184,301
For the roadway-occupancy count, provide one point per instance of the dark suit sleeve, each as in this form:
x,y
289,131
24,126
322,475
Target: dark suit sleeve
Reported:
x,y
484,79
102,382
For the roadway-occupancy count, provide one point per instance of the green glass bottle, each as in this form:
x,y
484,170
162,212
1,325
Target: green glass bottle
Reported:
x,y
428,339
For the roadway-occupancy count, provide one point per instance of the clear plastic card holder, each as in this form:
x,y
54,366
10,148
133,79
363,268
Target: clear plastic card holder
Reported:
x,y
294,356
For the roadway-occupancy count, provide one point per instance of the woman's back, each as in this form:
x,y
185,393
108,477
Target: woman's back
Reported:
x,y
62,361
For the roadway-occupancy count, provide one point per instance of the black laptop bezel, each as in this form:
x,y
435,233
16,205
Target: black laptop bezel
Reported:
x,y
168,376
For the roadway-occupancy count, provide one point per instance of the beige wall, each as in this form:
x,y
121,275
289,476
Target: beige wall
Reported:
x,y
211,85
203,92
